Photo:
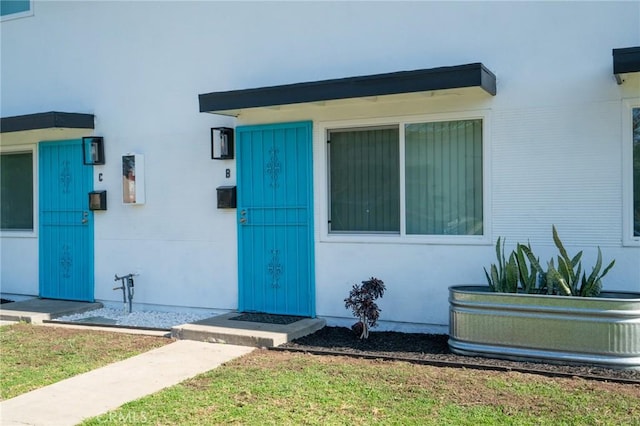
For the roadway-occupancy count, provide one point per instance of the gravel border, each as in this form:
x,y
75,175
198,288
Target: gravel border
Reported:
x,y
143,319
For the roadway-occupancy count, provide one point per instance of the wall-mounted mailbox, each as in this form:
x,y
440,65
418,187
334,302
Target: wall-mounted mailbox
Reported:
x,y
93,150
221,143
226,197
98,200
133,179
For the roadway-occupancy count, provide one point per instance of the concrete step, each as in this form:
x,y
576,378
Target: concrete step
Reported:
x,y
36,310
223,329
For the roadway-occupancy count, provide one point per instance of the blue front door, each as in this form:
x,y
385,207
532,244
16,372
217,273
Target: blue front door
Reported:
x,y
66,224
275,219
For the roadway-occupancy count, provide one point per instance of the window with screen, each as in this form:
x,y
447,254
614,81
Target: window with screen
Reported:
x,y
16,191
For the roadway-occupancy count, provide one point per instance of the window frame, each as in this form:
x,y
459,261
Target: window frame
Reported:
x,y
18,15
628,105
33,149
323,190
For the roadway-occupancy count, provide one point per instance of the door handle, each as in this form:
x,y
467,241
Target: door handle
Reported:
x,y
85,217
243,220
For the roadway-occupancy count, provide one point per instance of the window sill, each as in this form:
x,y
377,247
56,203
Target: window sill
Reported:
x,y
407,239
18,234
631,242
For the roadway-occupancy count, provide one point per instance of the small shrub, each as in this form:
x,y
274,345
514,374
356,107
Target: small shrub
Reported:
x,y
362,303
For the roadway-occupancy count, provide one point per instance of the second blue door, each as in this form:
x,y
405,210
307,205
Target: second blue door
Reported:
x,y
275,219
66,226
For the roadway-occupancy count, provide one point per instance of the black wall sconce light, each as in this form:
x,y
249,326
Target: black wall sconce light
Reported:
x,y
93,150
221,143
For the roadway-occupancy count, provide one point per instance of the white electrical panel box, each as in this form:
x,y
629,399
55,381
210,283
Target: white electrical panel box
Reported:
x,y
133,179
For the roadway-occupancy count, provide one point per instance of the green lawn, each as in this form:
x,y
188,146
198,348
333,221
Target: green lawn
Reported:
x,y
279,388
33,356
285,388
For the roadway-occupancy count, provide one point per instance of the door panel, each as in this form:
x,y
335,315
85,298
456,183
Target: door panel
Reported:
x,y
66,224
275,219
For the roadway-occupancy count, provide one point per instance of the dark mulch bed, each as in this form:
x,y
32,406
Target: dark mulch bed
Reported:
x,y
429,347
267,318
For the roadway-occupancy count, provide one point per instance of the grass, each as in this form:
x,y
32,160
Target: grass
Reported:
x,y
34,356
277,388
286,388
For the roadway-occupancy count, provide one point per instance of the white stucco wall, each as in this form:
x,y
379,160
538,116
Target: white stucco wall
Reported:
x,y
555,130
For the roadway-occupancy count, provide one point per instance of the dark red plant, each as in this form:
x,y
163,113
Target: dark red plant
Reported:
x,y
362,303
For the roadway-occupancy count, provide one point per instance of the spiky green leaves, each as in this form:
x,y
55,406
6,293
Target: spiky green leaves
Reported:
x,y
503,277
592,285
523,272
528,275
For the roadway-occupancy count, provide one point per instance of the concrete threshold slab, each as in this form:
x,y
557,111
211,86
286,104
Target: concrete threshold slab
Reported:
x,y
37,310
223,329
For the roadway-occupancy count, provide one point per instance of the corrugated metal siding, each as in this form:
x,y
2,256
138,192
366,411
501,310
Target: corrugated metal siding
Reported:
x,y
552,165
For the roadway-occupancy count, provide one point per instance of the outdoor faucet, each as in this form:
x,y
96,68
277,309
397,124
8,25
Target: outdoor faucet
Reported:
x,y
127,289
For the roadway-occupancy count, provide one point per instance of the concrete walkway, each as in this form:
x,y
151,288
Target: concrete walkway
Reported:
x,y
94,393
203,345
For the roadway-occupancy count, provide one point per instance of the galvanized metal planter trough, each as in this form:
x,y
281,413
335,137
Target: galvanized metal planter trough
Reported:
x,y
602,331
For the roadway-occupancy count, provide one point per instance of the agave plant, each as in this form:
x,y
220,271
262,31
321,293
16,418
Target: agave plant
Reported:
x,y
532,276
564,279
503,277
568,278
522,271
592,285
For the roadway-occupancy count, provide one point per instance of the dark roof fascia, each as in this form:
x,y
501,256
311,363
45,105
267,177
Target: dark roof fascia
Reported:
x,y
46,120
625,60
469,75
